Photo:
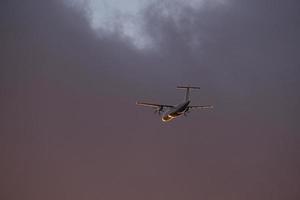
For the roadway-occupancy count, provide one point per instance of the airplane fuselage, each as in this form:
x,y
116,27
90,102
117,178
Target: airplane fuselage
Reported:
x,y
176,111
170,111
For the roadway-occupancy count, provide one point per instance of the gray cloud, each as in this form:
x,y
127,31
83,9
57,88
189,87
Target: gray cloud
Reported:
x,y
70,128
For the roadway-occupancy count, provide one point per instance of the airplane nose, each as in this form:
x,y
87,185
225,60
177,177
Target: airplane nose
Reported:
x,y
166,118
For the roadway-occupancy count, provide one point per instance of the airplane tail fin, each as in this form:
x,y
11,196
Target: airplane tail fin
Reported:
x,y
187,88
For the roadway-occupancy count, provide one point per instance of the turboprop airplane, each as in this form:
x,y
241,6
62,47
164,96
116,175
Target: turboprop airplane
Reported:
x,y
172,111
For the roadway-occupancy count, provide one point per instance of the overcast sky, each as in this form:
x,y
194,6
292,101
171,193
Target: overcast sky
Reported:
x,y
71,72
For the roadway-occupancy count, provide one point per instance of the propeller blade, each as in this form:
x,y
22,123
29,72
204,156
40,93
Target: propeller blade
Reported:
x,y
158,110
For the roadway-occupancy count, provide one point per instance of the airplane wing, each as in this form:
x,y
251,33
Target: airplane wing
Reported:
x,y
201,107
153,105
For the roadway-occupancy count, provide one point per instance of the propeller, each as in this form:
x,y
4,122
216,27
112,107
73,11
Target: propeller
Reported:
x,y
158,110
186,112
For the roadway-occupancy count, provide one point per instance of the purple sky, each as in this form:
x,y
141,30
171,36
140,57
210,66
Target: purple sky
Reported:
x,y
70,129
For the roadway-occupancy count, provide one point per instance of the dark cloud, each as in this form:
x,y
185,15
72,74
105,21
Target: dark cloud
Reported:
x,y
70,128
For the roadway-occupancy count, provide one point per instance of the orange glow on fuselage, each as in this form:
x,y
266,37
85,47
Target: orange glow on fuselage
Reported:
x,y
167,118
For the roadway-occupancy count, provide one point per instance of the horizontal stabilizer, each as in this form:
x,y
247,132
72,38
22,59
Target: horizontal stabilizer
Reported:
x,y
187,87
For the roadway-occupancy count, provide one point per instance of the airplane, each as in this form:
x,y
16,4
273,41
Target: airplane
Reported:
x,y
174,111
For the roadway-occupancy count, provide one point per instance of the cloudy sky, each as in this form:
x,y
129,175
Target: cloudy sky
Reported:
x,y
71,72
